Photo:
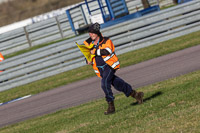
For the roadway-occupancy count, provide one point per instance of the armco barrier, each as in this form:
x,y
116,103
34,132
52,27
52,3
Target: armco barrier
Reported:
x,y
52,29
130,35
35,34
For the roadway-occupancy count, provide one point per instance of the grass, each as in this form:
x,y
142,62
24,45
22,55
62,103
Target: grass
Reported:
x,y
170,106
127,59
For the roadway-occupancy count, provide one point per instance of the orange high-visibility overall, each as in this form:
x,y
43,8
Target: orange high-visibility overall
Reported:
x,y
1,58
111,59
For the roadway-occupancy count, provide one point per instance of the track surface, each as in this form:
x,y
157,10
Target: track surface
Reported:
x,y
142,74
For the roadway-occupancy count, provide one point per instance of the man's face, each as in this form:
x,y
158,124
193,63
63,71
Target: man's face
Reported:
x,y
93,36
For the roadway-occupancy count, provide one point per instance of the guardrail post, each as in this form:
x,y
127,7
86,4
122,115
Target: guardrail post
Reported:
x,y
27,37
58,23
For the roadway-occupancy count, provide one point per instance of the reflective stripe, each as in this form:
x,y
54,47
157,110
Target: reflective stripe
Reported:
x,y
108,57
96,71
98,52
115,64
109,50
1,59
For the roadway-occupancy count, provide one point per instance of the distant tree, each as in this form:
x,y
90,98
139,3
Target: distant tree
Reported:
x,y
145,4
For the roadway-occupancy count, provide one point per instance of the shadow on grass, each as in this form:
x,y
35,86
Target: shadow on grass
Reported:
x,y
145,100
148,98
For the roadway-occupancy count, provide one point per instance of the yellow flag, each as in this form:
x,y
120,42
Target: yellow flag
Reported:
x,y
86,51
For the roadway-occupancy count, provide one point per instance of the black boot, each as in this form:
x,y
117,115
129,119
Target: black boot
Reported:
x,y
111,108
138,96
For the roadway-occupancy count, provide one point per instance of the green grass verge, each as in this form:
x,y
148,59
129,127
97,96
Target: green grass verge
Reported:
x,y
171,106
127,59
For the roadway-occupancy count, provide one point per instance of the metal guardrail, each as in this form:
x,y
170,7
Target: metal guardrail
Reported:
x,y
50,29
35,34
130,35
135,5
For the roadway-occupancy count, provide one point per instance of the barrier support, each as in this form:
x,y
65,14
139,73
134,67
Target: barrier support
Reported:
x,y
58,23
27,37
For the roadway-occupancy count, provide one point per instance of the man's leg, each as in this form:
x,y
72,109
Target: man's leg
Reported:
x,y
106,81
120,85
124,87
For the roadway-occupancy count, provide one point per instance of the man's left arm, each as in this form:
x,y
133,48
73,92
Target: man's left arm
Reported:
x,y
106,51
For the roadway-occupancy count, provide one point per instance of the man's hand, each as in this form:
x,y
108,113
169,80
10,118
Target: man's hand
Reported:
x,y
89,63
92,51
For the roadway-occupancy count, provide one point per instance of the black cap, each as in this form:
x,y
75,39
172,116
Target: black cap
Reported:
x,y
95,28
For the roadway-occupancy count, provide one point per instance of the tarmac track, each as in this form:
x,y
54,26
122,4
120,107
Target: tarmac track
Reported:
x,y
142,74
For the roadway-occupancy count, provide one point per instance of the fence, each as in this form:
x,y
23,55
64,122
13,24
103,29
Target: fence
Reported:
x,y
51,29
35,34
130,35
